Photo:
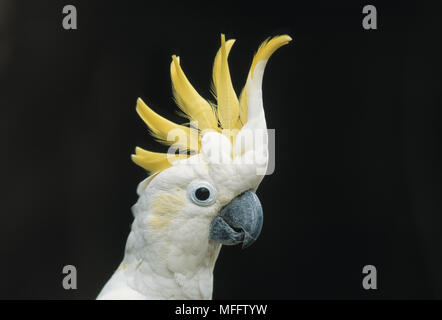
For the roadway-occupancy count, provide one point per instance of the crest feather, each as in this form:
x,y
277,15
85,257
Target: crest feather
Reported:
x,y
167,132
265,50
228,104
216,72
154,161
189,101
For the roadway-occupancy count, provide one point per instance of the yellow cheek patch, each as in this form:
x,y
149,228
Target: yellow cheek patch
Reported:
x,y
158,222
165,207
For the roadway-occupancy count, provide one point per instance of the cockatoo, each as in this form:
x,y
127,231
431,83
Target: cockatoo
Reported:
x,y
196,200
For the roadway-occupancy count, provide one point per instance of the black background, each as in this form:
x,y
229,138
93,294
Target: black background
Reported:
x,y
357,115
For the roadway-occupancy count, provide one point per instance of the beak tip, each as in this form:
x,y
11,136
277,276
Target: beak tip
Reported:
x,y
245,245
249,240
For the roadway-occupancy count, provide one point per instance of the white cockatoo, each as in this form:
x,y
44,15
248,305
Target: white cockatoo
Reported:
x,y
197,200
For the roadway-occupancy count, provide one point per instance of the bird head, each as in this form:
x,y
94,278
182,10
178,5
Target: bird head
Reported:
x,y
202,192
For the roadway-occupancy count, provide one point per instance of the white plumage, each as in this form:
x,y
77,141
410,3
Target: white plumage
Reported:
x,y
170,253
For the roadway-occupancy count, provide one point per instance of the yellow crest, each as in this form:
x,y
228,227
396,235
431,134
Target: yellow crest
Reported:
x,y
228,113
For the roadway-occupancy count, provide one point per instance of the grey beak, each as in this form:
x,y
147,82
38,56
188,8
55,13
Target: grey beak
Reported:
x,y
238,222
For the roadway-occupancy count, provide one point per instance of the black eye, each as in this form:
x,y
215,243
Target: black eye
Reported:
x,y
202,194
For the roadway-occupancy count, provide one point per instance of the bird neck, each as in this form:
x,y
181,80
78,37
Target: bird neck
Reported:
x,y
162,270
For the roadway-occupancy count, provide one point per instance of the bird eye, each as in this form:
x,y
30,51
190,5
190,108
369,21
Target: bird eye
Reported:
x,y
202,193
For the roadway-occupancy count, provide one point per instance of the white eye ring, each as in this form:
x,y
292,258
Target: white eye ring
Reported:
x,y
201,193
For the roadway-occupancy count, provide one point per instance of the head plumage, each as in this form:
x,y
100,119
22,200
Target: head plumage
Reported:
x,y
228,115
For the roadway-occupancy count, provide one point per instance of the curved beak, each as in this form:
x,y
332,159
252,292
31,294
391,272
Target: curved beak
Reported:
x,y
238,222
